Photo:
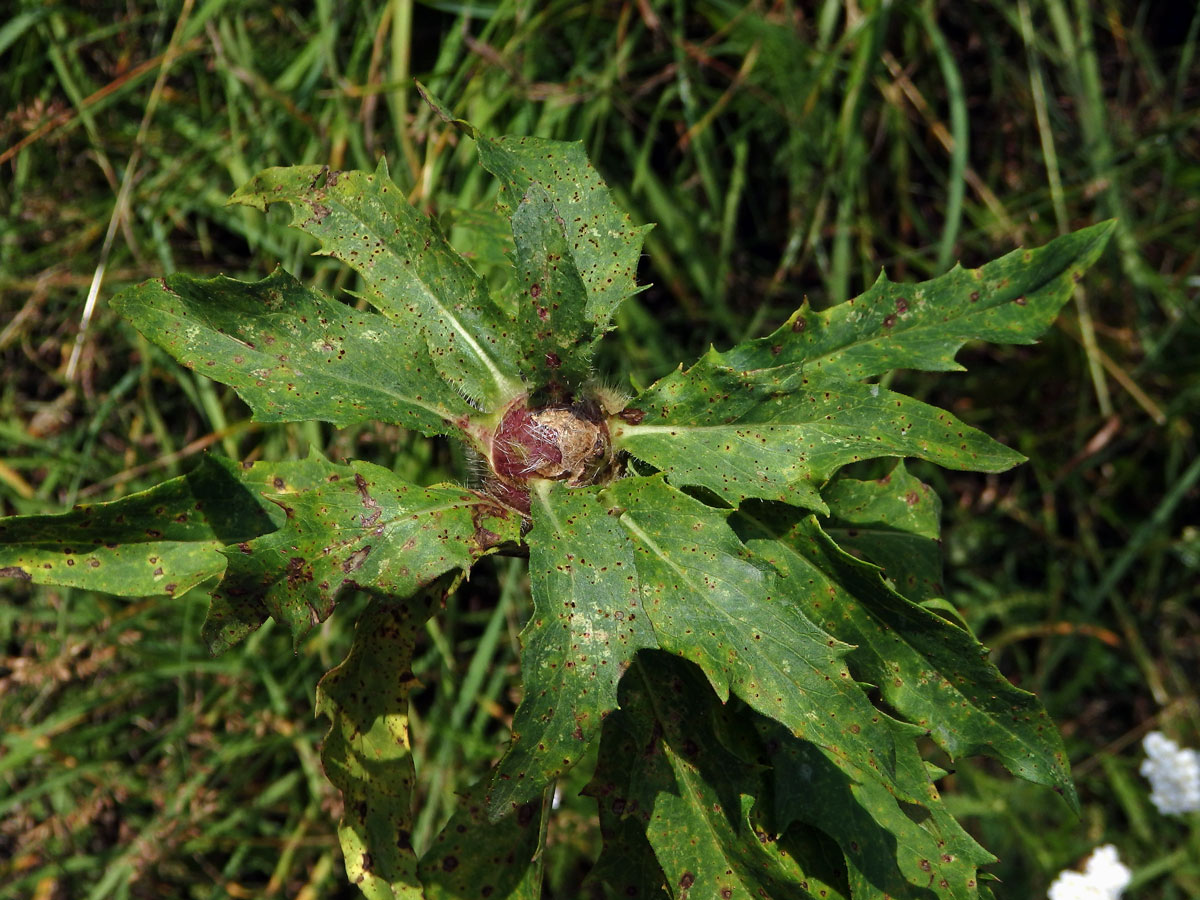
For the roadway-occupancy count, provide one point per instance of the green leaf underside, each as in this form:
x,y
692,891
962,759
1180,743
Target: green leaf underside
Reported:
x,y
367,754
626,866
892,522
474,856
587,623
892,325
557,338
410,272
889,852
601,241
776,434
932,672
360,525
294,355
165,540
710,604
686,772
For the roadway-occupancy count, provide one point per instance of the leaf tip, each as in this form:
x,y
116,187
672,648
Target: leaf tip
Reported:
x,y
442,112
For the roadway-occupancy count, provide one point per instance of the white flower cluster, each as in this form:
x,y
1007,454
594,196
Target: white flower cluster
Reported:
x,y
1174,774
1104,877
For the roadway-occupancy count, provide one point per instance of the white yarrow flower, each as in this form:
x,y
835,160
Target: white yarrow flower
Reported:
x,y
1104,877
1174,774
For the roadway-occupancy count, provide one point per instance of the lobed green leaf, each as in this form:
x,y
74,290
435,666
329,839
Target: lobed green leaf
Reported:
x,y
557,338
410,272
1011,300
889,851
711,604
587,624
294,355
602,243
164,541
932,672
367,754
670,767
776,434
354,525
893,522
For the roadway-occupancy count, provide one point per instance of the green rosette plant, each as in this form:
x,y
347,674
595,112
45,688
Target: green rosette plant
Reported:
x,y
758,645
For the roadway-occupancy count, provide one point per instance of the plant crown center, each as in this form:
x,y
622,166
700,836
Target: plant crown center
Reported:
x,y
565,443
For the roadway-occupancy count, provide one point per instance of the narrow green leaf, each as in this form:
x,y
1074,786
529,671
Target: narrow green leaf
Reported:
x,y
367,754
410,272
165,540
293,354
710,604
474,856
602,242
587,623
776,434
360,526
1011,300
894,523
557,338
932,672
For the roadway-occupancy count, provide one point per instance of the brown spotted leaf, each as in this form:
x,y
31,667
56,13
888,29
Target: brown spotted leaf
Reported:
x,y
587,624
557,338
165,540
889,851
474,856
601,242
293,354
777,434
358,525
410,272
711,603
367,754
929,670
893,522
1011,300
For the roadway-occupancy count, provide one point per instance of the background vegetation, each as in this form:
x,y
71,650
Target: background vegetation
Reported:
x,y
784,149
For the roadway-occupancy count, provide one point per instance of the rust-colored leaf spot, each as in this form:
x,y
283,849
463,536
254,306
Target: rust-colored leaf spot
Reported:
x,y
356,559
901,305
974,296
297,571
535,290
1020,301
799,325
687,880
552,360
631,415
889,321
912,498
450,863
15,572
